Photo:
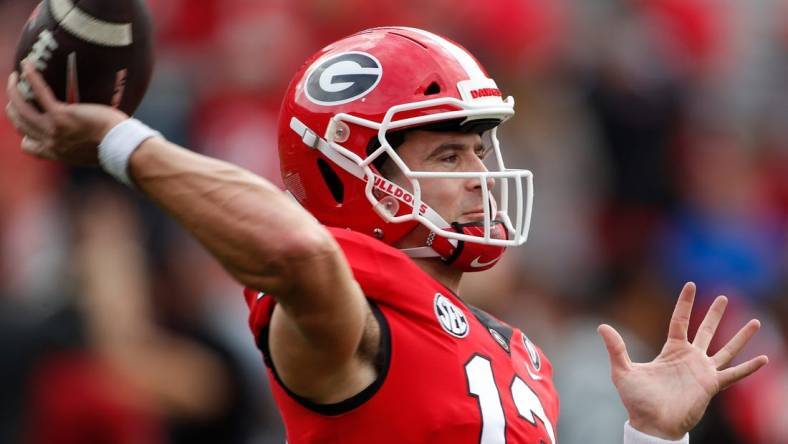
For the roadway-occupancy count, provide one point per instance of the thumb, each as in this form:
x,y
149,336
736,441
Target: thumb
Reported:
x,y
616,349
35,148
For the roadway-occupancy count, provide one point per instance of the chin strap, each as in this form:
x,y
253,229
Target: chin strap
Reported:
x,y
420,252
427,250
462,255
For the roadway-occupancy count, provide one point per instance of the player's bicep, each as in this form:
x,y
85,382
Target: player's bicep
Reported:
x,y
319,323
315,350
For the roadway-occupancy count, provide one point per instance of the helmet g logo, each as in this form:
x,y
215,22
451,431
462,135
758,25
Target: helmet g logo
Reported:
x,y
343,78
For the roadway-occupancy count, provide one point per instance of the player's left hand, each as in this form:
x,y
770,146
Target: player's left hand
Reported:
x,y
668,396
65,132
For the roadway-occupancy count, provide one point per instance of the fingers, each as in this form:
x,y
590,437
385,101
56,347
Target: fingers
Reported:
x,y
734,374
10,87
36,148
734,346
43,93
710,323
21,127
616,348
24,116
679,322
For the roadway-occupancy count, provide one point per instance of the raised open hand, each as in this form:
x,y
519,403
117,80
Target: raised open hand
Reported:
x,y
668,396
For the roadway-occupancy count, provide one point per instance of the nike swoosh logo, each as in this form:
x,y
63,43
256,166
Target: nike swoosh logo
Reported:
x,y
89,28
476,264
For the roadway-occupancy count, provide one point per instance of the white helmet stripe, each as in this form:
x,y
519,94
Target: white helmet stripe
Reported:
x,y
468,63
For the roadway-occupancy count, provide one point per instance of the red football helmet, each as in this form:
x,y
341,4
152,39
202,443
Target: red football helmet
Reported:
x,y
350,98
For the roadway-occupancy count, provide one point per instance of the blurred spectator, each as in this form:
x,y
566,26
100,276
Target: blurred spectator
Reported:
x,y
726,235
113,374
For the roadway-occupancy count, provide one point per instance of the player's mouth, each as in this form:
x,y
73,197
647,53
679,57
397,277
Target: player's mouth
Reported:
x,y
475,215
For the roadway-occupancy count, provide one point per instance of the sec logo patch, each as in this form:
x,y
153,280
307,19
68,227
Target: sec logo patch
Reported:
x,y
451,318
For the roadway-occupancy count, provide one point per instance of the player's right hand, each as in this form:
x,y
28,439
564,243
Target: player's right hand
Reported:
x,y
65,132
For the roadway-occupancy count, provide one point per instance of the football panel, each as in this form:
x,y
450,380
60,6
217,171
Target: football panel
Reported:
x,y
77,70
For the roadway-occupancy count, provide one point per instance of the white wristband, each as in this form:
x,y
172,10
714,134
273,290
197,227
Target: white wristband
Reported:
x,y
118,145
633,436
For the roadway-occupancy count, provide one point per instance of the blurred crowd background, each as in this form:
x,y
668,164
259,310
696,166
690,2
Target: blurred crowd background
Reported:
x,y
657,131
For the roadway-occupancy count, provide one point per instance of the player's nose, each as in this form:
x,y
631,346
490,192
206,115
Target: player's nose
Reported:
x,y
489,180
475,183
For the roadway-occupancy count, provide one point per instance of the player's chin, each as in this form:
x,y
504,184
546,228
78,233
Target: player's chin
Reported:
x,y
469,218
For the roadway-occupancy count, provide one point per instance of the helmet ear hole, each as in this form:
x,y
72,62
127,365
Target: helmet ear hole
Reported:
x,y
433,89
332,181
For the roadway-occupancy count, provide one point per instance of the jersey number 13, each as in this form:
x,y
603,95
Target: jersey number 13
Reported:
x,y
481,384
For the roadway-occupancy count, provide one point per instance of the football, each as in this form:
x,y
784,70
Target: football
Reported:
x,y
90,51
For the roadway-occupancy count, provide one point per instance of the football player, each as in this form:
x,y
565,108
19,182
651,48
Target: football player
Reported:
x,y
395,187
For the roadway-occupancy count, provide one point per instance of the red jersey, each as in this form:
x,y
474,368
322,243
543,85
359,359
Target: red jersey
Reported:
x,y
450,373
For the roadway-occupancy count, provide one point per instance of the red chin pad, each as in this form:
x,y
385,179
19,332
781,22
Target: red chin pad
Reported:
x,y
471,256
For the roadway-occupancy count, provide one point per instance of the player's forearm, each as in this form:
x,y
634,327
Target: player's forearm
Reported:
x,y
247,223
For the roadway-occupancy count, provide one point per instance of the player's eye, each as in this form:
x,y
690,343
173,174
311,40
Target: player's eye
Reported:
x,y
451,158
